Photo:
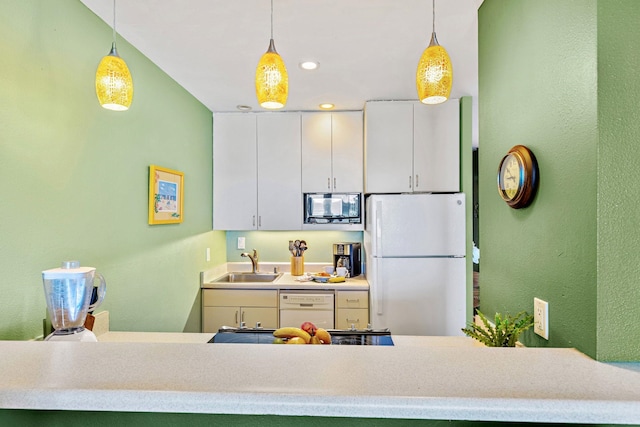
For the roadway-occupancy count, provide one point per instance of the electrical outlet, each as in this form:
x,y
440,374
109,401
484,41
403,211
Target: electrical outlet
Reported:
x,y
241,244
208,254
541,318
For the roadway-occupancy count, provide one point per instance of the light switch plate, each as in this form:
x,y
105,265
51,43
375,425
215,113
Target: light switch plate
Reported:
x,y
541,318
241,244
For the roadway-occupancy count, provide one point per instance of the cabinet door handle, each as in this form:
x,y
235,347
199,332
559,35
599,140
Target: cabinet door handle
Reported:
x,y
242,316
353,300
259,220
334,184
329,183
417,185
236,321
254,221
410,180
357,321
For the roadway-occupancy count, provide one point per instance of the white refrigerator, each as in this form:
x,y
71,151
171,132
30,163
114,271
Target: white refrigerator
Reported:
x,y
415,263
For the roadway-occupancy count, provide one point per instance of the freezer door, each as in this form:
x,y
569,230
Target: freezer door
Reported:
x,y
418,296
416,225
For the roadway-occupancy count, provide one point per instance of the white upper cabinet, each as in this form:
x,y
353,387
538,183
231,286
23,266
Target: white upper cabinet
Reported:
x,y
235,172
388,159
347,151
332,152
316,152
279,185
436,147
412,147
256,171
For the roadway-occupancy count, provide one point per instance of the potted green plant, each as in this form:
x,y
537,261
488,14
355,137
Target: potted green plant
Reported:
x,y
503,333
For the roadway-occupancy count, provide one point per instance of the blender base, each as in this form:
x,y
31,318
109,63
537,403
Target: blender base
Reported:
x,y
83,336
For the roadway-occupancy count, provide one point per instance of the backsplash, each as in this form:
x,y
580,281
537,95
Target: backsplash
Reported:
x,y
273,246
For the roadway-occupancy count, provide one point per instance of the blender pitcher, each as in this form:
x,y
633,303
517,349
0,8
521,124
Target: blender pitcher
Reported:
x,y
68,292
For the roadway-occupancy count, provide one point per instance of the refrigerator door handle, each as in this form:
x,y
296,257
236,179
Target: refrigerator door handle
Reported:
x,y
379,291
378,235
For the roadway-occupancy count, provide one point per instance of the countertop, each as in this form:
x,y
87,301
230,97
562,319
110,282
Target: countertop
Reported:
x,y
449,378
286,281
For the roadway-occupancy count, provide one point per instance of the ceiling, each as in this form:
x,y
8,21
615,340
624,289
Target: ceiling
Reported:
x,y
367,49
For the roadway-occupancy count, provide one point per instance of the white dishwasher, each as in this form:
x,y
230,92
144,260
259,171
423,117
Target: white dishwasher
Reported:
x,y
316,307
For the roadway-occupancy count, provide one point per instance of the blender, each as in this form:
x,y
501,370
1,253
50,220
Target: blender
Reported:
x,y
68,291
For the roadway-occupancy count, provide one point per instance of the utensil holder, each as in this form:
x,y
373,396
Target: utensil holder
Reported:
x,y
297,265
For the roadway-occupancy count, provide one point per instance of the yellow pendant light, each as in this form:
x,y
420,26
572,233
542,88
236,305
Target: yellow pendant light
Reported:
x,y
114,85
272,81
434,75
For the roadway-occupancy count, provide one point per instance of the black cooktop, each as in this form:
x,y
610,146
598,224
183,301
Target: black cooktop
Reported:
x,y
338,336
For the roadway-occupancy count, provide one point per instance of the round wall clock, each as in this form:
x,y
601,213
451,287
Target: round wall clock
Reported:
x,y
518,177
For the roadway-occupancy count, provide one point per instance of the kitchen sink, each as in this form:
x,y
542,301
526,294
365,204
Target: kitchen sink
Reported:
x,y
244,277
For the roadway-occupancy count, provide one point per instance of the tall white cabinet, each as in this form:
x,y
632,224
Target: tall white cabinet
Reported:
x,y
256,171
332,152
412,147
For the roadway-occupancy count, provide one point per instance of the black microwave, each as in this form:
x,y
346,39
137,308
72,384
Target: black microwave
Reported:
x,y
332,208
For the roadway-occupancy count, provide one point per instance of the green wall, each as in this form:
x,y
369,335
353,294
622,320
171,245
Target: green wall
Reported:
x,y
75,176
544,81
618,188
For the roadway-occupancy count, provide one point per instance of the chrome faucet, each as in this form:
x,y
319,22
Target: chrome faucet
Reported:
x,y
254,260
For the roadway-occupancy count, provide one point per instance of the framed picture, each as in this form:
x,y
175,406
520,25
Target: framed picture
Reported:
x,y
166,195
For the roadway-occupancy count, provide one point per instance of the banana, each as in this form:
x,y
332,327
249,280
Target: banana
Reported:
x,y
323,335
290,332
336,279
315,340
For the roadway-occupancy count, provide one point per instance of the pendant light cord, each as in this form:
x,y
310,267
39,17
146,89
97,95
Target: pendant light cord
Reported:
x,y
271,19
114,22
433,14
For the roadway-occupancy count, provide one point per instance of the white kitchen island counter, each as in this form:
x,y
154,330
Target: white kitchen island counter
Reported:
x,y
421,377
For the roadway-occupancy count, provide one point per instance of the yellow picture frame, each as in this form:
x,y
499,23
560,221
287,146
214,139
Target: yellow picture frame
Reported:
x,y
166,195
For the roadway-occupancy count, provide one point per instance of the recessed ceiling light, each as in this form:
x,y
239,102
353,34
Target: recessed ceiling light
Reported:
x,y
327,106
309,65
243,107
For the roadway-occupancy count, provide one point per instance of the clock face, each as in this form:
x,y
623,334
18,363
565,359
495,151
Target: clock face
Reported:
x,y
510,178
518,177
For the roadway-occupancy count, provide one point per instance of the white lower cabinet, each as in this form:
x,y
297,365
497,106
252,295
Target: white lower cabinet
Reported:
x,y
231,307
352,308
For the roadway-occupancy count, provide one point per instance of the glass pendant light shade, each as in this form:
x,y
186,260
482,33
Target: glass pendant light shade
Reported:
x,y
114,86
272,81
434,76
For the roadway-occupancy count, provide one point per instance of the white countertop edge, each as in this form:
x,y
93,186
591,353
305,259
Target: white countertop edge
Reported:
x,y
436,408
149,377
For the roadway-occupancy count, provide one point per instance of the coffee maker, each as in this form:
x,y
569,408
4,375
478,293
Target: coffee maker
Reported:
x,y
348,255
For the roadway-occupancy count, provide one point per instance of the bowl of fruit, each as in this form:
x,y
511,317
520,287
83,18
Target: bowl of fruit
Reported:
x,y
307,333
